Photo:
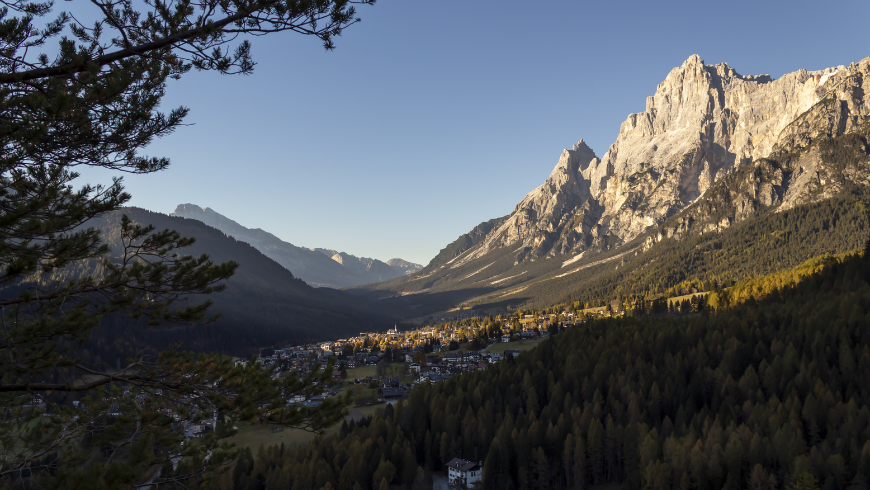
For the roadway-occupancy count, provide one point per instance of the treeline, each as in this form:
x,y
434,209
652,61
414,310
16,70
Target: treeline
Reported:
x,y
753,396
760,245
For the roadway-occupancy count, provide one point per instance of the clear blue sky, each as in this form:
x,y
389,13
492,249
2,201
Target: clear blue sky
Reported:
x,y
432,116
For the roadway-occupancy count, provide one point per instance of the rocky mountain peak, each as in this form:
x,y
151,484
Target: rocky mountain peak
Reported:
x,y
564,177
702,122
367,264
404,265
188,210
720,170
209,217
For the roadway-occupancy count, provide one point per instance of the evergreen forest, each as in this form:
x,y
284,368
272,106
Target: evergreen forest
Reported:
x,y
768,388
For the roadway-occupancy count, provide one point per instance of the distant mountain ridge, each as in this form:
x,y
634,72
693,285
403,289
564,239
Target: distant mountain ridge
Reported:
x,y
318,267
263,305
366,266
404,265
716,157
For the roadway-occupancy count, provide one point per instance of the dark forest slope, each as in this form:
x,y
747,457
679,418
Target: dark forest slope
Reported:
x,y
263,305
755,395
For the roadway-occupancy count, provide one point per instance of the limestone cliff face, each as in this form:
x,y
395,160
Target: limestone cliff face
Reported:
x,y
703,123
556,215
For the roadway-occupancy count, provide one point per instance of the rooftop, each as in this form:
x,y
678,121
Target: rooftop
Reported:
x,y
462,465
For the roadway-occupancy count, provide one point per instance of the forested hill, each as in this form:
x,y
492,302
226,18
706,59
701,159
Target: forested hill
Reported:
x,y
755,395
263,305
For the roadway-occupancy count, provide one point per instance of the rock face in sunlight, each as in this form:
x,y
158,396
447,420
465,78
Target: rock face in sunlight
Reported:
x,y
703,123
718,160
318,267
404,266
373,267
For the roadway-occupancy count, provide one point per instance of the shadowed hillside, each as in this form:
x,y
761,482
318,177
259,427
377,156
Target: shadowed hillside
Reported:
x,y
263,305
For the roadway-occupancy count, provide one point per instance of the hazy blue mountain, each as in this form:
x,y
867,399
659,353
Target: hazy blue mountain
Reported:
x,y
318,267
263,304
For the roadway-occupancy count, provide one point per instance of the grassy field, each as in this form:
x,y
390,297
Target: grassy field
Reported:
x,y
687,296
463,349
361,372
365,371
255,435
522,345
364,391
499,348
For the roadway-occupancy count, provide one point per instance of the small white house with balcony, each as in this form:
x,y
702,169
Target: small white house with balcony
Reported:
x,y
464,474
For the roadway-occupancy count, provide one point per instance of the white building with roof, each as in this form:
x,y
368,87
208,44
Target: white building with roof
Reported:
x,y
464,474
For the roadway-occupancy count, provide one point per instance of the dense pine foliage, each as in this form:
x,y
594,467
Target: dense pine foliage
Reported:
x,y
773,386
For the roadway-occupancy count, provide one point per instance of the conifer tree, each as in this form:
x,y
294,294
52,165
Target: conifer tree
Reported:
x,y
93,102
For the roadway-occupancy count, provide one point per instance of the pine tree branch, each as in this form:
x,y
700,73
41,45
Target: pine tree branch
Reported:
x,y
136,380
139,50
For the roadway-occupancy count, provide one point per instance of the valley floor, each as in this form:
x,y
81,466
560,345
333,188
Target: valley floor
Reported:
x,y
256,435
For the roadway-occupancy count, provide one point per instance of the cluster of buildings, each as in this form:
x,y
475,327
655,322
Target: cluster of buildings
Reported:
x,y
420,350
192,425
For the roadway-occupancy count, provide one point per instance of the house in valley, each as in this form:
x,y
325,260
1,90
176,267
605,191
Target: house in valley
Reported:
x,y
464,474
